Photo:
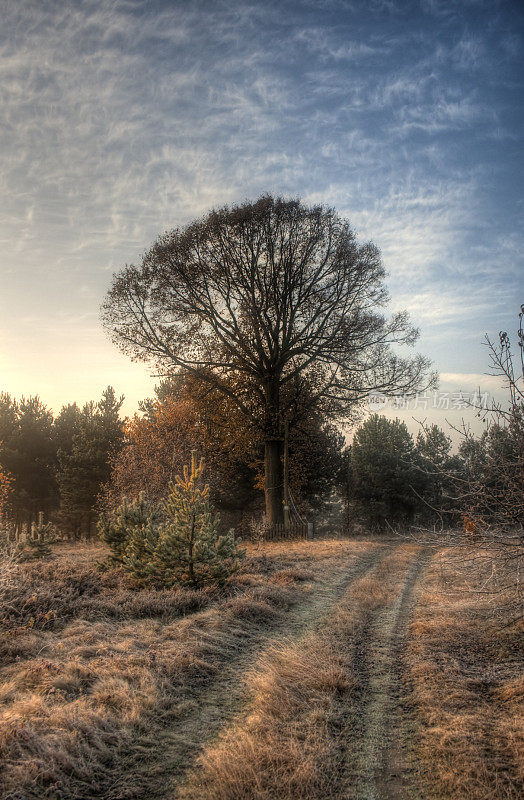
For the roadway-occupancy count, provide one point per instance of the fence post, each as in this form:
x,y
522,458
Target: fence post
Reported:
x,y
310,530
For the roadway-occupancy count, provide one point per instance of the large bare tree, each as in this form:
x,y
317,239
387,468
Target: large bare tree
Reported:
x,y
269,302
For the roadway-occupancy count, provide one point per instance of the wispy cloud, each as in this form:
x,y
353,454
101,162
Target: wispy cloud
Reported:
x,y
472,380
120,119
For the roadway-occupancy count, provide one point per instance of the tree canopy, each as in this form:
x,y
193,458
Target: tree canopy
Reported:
x,y
267,302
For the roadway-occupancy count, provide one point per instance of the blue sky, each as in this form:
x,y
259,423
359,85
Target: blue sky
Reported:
x,y
120,119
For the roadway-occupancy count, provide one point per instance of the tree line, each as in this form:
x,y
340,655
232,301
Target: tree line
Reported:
x,y
89,460
57,465
268,322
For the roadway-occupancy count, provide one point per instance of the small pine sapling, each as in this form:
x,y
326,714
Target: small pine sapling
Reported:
x,y
139,555
177,543
131,531
39,546
189,549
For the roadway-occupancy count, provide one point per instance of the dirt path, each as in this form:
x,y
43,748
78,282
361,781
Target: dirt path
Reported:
x,y
397,775
367,744
380,725
206,710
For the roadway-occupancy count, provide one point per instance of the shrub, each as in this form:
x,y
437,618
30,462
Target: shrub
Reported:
x,y
39,547
129,520
181,545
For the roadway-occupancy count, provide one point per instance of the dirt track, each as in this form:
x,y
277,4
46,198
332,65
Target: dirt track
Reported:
x,y
339,669
374,719
378,737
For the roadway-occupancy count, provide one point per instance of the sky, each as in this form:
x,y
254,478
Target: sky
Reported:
x,y
120,119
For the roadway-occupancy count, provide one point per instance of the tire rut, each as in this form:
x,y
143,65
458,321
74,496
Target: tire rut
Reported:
x,y
378,723
396,778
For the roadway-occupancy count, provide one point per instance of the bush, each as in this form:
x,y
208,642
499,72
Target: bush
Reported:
x,y
39,547
127,521
178,544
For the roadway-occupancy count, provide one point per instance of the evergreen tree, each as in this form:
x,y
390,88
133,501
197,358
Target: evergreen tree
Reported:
x,y
86,467
189,549
65,426
131,532
8,428
6,487
492,491
27,453
183,548
8,419
440,469
385,478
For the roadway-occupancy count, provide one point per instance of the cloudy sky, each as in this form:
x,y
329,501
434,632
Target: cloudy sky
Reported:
x,y
122,118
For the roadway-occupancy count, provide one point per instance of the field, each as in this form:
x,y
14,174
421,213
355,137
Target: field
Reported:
x,y
341,668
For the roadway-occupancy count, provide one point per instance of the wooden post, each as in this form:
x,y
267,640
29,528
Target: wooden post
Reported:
x,y
286,475
310,530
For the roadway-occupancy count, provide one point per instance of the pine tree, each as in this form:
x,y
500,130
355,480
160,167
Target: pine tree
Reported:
x,y
39,546
384,473
189,549
6,487
65,427
27,453
131,532
183,548
439,469
86,468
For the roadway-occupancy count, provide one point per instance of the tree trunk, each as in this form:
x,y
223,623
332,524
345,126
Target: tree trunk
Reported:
x,y
273,481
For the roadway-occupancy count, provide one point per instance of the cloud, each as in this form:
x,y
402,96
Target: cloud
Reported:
x,y
471,380
443,115
325,44
120,119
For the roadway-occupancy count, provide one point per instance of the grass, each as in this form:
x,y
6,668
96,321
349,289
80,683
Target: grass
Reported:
x,y
283,748
276,686
468,686
95,674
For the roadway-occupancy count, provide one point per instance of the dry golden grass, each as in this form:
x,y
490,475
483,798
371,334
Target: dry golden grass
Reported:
x,y
94,673
101,683
468,681
283,748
